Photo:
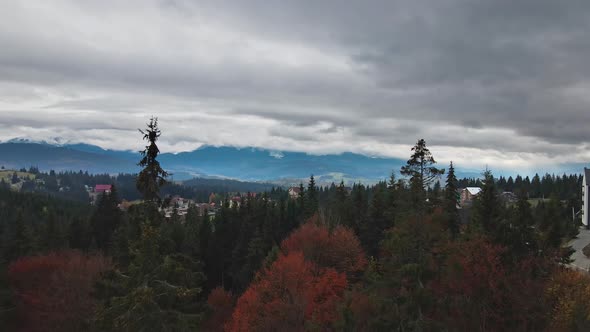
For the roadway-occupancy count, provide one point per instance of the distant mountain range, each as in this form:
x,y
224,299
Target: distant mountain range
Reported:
x,y
248,164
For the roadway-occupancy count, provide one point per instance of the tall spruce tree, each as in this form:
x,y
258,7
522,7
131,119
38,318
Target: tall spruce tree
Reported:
x,y
359,207
420,166
450,202
342,206
311,198
79,234
487,208
373,229
519,234
158,293
152,177
18,240
160,290
106,218
392,199
52,236
422,172
301,197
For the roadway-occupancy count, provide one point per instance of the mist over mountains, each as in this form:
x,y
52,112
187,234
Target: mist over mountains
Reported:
x,y
248,164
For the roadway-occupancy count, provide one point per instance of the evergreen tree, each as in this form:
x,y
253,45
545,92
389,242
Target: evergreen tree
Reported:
x,y
311,198
372,230
519,234
392,199
509,184
257,251
79,234
301,197
360,206
204,235
160,290
420,168
535,191
398,285
14,179
192,228
451,201
120,243
342,206
239,255
17,241
487,208
106,218
152,176
160,293
553,224
52,236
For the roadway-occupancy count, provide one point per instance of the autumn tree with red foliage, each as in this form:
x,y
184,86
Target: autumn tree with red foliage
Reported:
x,y
291,295
221,305
479,291
53,291
339,249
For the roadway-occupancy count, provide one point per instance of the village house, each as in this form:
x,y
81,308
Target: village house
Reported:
x,y
468,195
235,200
179,202
95,192
294,192
586,198
180,206
204,208
103,188
508,197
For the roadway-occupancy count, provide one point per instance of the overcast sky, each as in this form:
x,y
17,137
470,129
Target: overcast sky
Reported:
x,y
499,82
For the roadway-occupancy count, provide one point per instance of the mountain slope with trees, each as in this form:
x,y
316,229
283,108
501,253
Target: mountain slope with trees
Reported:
x,y
390,256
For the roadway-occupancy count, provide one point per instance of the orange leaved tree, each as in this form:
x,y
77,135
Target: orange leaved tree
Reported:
x,y
568,292
291,295
339,249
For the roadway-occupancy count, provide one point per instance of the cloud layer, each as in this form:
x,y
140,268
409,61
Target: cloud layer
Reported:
x,y
498,83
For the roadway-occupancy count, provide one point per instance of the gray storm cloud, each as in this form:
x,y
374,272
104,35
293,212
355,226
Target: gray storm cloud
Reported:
x,y
502,83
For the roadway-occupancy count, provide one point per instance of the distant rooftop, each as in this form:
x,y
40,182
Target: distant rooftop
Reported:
x,y
473,190
102,187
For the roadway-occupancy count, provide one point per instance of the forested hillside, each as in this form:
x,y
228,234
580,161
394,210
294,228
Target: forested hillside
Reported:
x,y
394,256
75,185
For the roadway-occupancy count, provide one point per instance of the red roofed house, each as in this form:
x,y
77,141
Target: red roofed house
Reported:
x,y
98,190
103,188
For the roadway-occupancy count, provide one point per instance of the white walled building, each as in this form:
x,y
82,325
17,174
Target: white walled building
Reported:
x,y
586,197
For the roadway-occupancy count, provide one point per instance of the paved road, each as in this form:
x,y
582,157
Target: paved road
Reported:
x,y
580,260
